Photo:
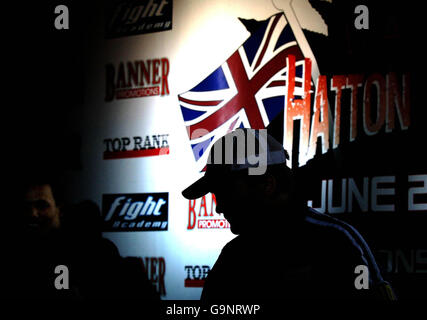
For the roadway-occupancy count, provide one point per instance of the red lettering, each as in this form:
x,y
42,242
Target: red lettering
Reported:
x,y
372,127
203,206
354,81
132,74
155,70
394,99
165,74
212,203
144,72
162,271
298,108
191,214
337,84
320,118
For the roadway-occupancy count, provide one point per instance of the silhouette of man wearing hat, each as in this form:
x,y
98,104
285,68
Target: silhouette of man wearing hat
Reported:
x,y
283,249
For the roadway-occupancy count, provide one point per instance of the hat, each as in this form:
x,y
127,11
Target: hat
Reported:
x,y
235,152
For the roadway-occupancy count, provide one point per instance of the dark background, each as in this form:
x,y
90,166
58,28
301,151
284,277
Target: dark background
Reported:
x,y
46,82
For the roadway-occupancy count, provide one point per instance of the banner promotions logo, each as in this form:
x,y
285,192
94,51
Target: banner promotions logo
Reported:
x,y
135,212
137,79
200,217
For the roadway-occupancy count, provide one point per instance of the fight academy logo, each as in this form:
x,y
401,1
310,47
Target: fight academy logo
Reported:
x,y
126,18
135,79
135,212
135,147
195,276
275,72
202,214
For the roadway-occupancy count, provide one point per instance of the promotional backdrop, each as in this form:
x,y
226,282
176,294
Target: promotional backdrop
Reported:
x,y
166,78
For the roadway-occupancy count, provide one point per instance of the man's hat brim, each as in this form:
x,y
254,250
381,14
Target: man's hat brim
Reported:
x,y
197,189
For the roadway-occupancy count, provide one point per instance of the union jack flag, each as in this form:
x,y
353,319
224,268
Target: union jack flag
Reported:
x,y
246,91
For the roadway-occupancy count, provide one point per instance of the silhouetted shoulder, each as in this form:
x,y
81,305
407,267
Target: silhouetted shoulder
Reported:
x,y
343,249
333,231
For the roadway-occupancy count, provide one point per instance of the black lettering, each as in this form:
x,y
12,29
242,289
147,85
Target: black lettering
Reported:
x,y
165,140
205,270
125,143
117,144
147,143
108,143
156,141
198,274
137,143
188,269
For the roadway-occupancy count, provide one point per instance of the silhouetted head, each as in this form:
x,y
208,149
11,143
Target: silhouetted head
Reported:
x,y
247,173
41,211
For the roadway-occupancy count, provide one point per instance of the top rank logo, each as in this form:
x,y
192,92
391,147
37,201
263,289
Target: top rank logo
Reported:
x,y
126,147
137,79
